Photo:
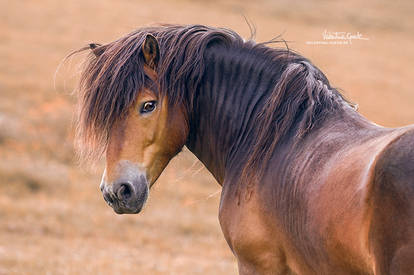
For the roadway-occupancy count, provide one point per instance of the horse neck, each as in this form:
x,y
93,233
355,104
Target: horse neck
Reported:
x,y
225,106
224,109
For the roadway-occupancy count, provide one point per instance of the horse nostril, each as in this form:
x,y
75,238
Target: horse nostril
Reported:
x,y
124,191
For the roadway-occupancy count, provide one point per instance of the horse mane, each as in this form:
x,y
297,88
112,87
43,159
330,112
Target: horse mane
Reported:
x,y
114,75
301,98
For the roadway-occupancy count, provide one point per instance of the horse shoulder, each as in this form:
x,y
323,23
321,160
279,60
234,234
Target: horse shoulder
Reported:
x,y
339,205
391,201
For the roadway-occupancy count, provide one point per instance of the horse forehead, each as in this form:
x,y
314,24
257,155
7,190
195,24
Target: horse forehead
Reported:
x,y
116,139
146,94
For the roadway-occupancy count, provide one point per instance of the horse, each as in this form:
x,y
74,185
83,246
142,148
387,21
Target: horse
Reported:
x,y
309,186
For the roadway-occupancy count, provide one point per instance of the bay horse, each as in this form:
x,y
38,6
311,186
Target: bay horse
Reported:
x,y
309,186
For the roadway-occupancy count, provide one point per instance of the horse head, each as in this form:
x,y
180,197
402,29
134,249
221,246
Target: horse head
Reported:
x,y
142,143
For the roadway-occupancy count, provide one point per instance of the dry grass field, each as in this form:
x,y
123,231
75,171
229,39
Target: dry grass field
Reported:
x,y
53,219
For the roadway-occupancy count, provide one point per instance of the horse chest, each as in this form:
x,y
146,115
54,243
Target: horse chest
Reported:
x,y
257,244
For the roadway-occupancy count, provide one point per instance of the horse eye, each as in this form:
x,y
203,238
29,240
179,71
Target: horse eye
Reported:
x,y
148,107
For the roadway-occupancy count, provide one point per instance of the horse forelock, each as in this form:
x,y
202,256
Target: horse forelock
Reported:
x,y
108,86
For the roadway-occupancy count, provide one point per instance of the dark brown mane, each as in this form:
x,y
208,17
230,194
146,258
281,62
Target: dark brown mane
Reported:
x,y
114,75
301,98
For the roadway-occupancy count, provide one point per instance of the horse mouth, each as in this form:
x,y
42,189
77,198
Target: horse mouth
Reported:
x,y
123,210
120,207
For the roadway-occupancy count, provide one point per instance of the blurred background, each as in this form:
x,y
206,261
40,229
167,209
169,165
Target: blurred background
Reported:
x,y
53,219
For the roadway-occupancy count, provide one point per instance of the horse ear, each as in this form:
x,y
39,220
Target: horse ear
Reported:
x,y
151,51
97,50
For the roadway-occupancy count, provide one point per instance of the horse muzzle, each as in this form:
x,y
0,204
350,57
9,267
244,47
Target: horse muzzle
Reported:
x,y
126,196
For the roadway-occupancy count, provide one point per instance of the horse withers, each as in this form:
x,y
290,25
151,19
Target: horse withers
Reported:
x,y
309,186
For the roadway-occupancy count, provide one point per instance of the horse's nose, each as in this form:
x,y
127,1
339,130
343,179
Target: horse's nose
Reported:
x,y
127,197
